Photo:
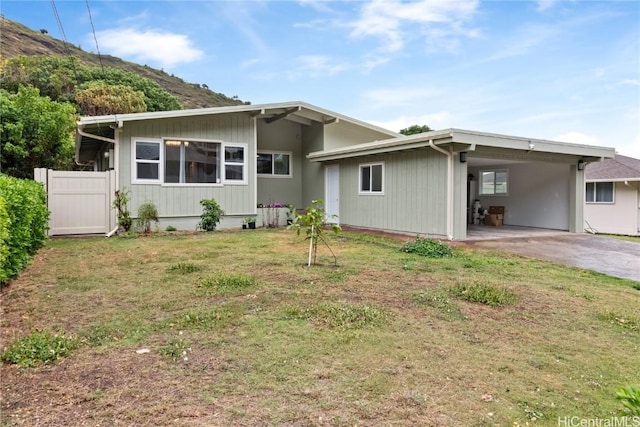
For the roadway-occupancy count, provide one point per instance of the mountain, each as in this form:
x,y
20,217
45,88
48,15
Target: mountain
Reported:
x,y
17,39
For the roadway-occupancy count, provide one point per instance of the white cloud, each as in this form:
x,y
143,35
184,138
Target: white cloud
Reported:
x,y
392,21
319,65
577,138
156,47
545,5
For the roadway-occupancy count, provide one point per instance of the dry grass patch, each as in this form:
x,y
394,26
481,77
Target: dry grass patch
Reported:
x,y
378,340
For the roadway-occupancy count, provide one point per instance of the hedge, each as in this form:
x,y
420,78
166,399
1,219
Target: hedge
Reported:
x,y
24,221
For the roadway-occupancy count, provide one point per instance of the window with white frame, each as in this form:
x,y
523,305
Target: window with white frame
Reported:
x,y
494,182
275,164
189,162
599,192
372,178
146,165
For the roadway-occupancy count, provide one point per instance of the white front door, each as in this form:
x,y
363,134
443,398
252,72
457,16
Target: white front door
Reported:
x,y
332,193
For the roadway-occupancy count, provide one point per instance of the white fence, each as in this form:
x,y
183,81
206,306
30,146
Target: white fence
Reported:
x,y
80,202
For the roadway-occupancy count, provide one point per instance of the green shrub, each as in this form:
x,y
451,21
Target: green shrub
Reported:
x,y
147,212
37,348
120,203
630,398
25,216
211,214
170,228
428,248
484,293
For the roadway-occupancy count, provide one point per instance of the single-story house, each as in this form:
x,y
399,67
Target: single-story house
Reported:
x,y
612,196
369,177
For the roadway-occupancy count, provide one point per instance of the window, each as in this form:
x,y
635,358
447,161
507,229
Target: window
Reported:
x,y
494,182
188,162
191,162
372,178
146,167
274,164
599,192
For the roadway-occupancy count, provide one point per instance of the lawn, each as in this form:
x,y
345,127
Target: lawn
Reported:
x,y
232,328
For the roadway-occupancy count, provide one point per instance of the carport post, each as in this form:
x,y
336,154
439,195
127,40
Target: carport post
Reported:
x,y
576,199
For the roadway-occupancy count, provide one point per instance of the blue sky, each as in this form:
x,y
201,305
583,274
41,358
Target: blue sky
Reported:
x,y
561,70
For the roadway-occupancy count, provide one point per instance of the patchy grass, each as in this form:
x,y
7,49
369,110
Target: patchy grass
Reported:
x,y
253,337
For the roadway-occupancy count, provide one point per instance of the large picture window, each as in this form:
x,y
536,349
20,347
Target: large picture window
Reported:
x,y
274,164
599,192
494,182
372,178
187,162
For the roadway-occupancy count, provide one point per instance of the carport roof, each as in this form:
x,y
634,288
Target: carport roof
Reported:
x,y
465,140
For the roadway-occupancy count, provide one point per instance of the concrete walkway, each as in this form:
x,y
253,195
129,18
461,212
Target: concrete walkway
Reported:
x,y
614,257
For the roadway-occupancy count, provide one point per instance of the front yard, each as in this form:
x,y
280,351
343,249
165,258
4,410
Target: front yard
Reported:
x,y
231,328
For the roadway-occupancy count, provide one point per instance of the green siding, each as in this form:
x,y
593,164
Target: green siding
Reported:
x,y
414,200
184,200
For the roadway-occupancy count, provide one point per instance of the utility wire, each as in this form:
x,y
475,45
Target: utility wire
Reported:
x,y
95,38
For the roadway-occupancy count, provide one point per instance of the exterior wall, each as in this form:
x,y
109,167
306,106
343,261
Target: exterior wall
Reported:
x,y
539,195
414,200
620,217
284,136
342,134
182,203
312,172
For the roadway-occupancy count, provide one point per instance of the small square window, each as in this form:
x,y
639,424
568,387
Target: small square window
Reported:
x,y
372,178
494,182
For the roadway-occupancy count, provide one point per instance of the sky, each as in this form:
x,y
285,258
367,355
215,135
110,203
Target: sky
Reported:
x,y
548,69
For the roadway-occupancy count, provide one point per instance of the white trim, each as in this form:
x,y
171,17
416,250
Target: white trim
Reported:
x,y
595,192
134,161
244,164
370,192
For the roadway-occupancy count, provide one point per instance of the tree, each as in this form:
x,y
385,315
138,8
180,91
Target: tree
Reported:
x,y
414,129
34,132
100,98
314,223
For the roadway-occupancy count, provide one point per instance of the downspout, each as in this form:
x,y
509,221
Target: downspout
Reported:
x,y
449,187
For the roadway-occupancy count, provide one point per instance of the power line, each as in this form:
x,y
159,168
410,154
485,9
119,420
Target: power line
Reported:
x,y
95,38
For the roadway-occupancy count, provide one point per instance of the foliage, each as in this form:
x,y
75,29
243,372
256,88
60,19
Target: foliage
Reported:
x,y
415,129
630,398
170,228
184,268
228,282
120,203
24,210
147,212
484,293
211,214
439,300
428,248
62,79
176,349
35,132
100,98
314,223
38,347
340,315
249,220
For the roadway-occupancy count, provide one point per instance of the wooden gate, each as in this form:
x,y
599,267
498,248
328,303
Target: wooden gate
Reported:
x,y
80,202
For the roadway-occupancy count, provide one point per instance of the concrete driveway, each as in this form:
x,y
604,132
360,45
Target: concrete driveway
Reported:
x,y
603,254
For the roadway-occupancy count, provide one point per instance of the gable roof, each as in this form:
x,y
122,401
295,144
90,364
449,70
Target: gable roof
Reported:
x,y
620,168
93,132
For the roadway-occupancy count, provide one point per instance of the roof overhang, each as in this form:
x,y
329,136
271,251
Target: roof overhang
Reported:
x,y
457,140
93,129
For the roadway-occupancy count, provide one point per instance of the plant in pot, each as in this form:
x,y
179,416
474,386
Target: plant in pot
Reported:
x,y
249,222
291,214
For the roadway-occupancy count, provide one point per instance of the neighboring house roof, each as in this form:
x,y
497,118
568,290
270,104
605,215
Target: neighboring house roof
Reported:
x,y
94,131
620,168
465,140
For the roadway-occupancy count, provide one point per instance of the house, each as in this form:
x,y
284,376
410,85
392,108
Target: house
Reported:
x,y
369,177
612,196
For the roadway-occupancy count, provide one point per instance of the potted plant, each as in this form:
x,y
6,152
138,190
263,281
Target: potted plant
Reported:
x,y
249,222
291,213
